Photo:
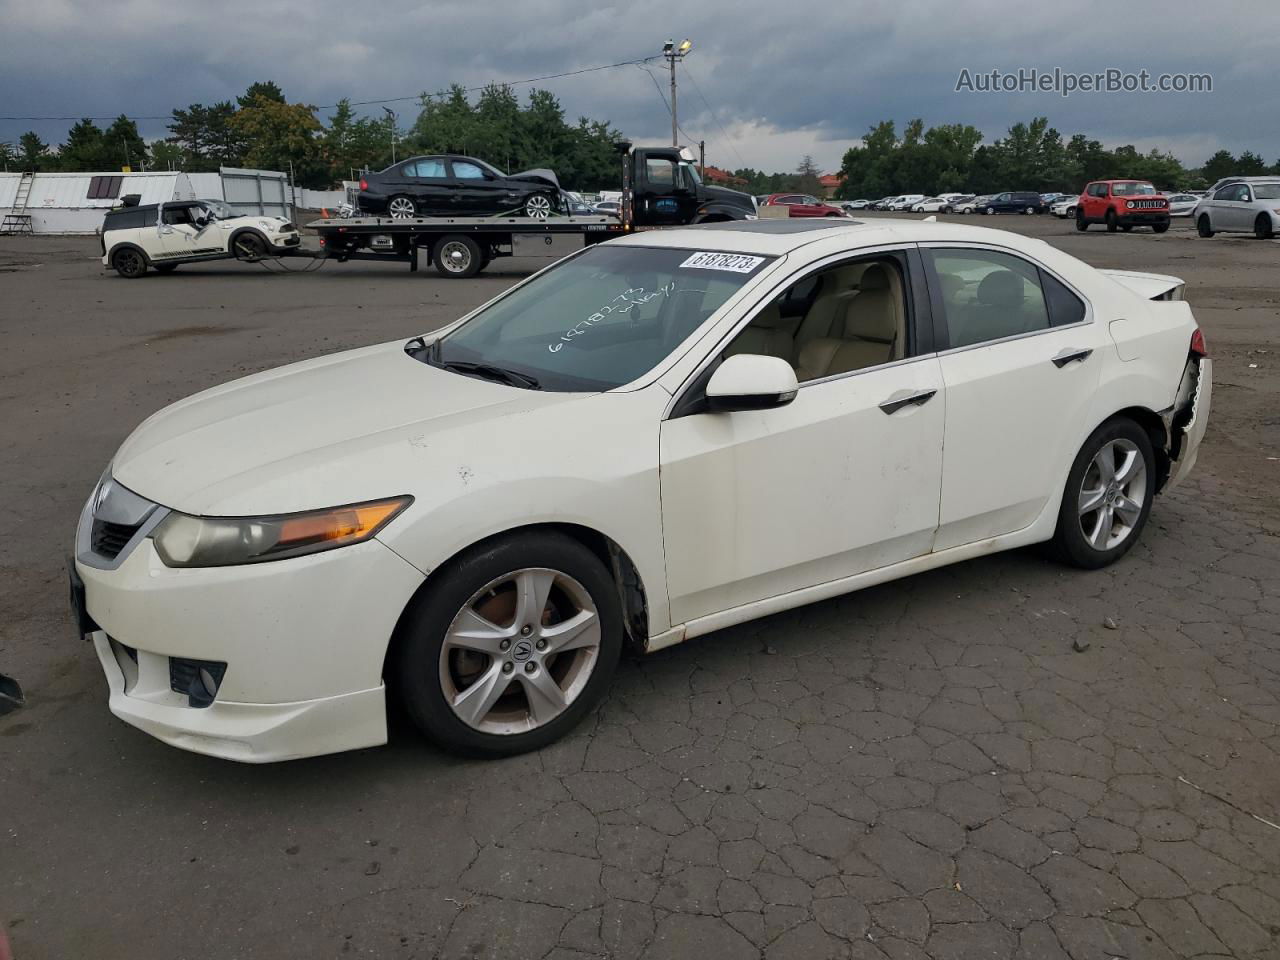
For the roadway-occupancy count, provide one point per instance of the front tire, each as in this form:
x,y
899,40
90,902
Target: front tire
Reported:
x,y
1159,227
538,206
1029,211
1107,497
458,257
1112,223
508,648
1203,226
249,247
1262,227
129,263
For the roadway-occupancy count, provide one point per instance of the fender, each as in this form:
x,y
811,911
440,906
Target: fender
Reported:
x,y
130,245
715,210
231,241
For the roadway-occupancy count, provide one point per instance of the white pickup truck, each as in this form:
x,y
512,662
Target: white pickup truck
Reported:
x,y
138,236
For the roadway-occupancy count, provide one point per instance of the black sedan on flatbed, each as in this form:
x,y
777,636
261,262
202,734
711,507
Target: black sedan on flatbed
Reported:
x,y
456,186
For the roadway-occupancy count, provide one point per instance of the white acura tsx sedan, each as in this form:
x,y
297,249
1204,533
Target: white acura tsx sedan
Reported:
x,y
657,437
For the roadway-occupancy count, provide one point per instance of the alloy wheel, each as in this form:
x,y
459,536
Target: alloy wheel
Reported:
x,y
401,208
520,651
538,207
1112,494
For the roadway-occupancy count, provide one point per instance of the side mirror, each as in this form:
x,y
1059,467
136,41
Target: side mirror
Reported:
x,y
749,381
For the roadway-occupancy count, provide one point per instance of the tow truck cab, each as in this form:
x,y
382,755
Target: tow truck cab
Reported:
x,y
661,187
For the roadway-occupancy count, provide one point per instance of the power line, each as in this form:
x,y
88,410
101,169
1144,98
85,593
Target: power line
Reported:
x,y
698,89
663,97
369,103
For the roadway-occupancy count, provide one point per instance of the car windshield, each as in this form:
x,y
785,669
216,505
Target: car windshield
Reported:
x,y
219,210
1131,189
1266,191
599,320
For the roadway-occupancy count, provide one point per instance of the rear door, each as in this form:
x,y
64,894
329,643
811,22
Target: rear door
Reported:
x,y
431,186
1020,364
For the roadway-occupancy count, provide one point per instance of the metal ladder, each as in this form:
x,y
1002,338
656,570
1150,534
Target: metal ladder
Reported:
x,y
17,220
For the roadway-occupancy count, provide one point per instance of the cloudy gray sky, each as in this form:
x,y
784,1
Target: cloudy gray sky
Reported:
x,y
765,83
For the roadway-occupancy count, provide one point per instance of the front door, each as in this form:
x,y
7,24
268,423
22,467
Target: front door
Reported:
x,y
179,232
479,193
1020,371
843,480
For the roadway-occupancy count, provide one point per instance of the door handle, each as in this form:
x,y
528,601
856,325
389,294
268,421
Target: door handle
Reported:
x,y
894,404
1068,355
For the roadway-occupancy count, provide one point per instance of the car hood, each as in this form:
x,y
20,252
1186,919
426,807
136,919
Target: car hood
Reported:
x,y
537,174
725,195
313,434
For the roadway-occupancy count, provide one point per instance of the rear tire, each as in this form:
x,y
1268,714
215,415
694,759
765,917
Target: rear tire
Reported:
x,y
436,662
1029,211
1203,226
129,263
457,256
1107,496
1262,227
401,207
989,211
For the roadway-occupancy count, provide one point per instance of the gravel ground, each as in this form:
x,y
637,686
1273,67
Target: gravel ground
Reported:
x,y
923,769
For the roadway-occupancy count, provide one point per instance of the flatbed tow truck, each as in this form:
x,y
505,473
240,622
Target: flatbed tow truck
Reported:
x,y
660,187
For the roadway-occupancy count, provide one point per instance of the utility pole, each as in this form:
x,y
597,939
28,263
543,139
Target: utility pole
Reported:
x,y
702,159
391,121
674,53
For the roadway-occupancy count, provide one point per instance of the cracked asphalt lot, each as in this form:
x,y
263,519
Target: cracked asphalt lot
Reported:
x,y
928,768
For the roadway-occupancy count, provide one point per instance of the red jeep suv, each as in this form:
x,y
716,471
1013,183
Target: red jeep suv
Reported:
x,y
1122,204
802,205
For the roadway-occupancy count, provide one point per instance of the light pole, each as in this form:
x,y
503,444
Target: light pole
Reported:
x,y
674,53
391,122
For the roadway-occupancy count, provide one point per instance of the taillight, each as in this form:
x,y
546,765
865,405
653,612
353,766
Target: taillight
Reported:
x,y
1197,344
364,184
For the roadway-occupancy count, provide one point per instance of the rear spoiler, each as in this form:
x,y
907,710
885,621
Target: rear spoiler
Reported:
x,y
1150,286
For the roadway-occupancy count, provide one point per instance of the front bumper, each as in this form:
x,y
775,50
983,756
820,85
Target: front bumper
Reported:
x,y
286,243
303,641
1143,217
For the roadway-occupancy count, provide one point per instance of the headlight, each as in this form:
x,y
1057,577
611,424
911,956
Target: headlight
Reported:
x,y
186,541
1129,204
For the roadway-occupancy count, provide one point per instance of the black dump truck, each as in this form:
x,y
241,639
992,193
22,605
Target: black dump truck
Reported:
x,y
660,188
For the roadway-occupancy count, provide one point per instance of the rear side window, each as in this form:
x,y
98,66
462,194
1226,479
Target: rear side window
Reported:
x,y
1064,306
104,188
987,295
130,220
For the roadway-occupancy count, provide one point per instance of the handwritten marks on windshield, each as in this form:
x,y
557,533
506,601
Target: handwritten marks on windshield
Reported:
x,y
622,304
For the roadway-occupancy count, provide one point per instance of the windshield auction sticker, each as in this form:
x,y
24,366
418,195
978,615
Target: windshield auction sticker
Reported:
x,y
733,262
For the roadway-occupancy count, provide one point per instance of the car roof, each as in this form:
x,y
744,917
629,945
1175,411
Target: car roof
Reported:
x,y
776,237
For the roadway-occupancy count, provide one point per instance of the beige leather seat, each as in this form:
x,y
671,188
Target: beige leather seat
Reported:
x,y
869,332
998,310
768,334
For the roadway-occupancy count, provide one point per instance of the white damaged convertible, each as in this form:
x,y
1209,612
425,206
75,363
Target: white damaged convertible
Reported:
x,y
655,438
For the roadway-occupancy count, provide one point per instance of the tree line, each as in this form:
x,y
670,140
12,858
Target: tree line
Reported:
x,y
262,129
1031,156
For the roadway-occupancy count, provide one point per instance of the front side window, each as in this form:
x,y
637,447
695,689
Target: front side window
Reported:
x,y
467,171
660,173
987,295
844,318
176,215
601,319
